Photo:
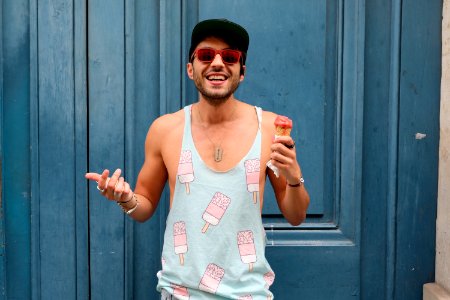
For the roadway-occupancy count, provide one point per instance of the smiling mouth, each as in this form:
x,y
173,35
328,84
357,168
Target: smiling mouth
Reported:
x,y
216,78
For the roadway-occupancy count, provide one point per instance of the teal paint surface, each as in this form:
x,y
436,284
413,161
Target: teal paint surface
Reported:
x,y
420,78
56,151
106,104
15,146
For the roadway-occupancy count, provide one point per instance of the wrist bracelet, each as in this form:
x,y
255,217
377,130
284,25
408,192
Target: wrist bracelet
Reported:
x,y
128,212
123,202
131,210
302,181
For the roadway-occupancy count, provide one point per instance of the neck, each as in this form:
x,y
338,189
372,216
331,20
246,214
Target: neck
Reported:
x,y
214,114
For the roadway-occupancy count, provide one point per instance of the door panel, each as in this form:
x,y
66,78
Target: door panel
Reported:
x,y
106,73
291,70
305,61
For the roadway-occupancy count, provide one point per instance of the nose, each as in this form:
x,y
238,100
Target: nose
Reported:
x,y
217,61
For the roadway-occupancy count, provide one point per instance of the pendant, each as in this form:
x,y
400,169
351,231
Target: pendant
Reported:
x,y
218,154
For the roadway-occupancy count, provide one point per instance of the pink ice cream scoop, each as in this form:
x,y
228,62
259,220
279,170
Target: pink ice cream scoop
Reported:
x,y
283,125
180,292
252,167
180,240
185,169
215,210
211,279
247,248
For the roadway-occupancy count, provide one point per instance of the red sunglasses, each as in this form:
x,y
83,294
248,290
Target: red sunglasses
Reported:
x,y
207,55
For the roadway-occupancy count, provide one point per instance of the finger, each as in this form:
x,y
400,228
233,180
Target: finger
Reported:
x,y
93,176
278,159
127,193
283,139
118,190
103,181
126,188
119,185
290,146
114,179
282,149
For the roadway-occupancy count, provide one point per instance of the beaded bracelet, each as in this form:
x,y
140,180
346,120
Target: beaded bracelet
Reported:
x,y
131,210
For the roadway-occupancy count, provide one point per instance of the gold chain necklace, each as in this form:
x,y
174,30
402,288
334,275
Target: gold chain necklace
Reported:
x,y
218,150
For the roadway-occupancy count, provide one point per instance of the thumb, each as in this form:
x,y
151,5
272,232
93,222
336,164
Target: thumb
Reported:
x,y
93,176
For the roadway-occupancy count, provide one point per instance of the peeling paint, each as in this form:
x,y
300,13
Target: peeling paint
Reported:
x,y
420,136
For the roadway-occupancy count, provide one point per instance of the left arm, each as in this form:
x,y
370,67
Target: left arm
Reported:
x,y
292,201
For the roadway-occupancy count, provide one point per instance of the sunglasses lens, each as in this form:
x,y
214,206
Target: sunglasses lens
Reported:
x,y
205,55
230,56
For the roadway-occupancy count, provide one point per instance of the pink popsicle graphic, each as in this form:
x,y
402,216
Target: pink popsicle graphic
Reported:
x,y
211,279
269,277
247,248
180,240
252,168
180,292
215,210
185,169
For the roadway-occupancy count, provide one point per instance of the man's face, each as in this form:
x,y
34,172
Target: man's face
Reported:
x,y
215,81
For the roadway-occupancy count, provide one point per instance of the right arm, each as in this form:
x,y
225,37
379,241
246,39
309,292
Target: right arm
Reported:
x,y
150,182
153,175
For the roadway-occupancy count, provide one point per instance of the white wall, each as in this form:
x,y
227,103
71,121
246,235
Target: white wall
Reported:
x,y
443,216
440,289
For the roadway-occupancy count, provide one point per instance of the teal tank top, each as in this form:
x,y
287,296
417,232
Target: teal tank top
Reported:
x,y
214,242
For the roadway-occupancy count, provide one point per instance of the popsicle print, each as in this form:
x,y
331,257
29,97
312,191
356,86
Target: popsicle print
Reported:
x,y
180,292
252,167
215,210
269,278
185,169
247,248
211,279
180,240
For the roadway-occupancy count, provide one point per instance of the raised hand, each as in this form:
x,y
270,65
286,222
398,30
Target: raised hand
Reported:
x,y
285,159
114,187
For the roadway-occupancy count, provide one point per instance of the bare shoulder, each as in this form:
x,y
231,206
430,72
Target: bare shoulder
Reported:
x,y
268,118
167,123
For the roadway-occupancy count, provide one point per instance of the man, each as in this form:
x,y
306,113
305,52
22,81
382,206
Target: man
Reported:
x,y
213,155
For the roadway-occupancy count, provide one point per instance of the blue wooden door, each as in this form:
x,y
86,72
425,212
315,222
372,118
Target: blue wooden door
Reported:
x,y
83,80
306,61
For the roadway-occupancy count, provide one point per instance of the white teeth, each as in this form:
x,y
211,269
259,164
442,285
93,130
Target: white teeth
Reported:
x,y
216,77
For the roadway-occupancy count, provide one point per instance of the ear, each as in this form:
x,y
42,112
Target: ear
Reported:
x,y
243,68
190,70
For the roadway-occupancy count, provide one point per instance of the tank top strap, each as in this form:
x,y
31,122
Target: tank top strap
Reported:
x,y
259,116
187,137
187,118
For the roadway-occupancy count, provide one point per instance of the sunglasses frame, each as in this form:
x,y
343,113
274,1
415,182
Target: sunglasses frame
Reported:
x,y
216,51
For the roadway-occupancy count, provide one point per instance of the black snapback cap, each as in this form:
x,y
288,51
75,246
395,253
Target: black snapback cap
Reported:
x,y
233,34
